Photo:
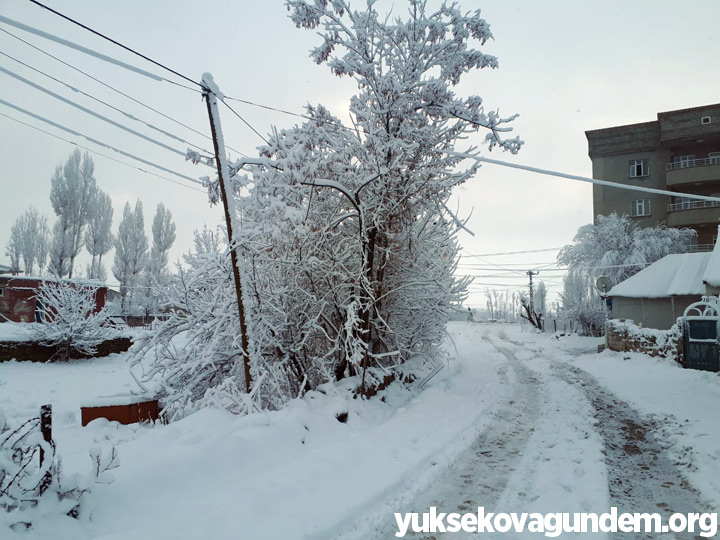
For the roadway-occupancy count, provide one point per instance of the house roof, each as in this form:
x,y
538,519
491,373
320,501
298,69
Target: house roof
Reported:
x,y
673,275
712,273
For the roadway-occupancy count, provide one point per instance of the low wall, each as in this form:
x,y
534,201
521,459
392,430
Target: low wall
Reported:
x,y
31,351
623,335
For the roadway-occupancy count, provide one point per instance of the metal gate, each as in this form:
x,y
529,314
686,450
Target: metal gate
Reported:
x,y
700,335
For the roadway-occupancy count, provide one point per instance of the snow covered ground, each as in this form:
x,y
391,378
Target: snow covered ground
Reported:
x,y
516,421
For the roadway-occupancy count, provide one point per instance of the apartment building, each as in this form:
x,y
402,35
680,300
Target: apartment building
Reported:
x,y
680,151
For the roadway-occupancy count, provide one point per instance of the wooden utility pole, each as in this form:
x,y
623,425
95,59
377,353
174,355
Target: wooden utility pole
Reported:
x,y
224,181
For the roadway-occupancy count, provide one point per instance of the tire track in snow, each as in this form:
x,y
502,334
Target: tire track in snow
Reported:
x,y
480,475
641,475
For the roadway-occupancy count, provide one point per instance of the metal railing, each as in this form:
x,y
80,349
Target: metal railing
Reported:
x,y
686,164
692,205
701,248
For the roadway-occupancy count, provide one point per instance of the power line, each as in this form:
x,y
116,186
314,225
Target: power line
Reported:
x,y
584,178
91,112
283,111
99,34
124,113
512,252
80,48
96,141
115,89
101,154
241,118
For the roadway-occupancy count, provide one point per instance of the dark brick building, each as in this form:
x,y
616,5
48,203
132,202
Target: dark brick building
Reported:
x,y
17,298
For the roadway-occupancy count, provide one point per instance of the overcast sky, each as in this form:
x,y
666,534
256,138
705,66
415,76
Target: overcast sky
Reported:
x,y
566,66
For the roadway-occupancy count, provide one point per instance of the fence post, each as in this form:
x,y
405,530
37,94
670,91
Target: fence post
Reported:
x,y
46,430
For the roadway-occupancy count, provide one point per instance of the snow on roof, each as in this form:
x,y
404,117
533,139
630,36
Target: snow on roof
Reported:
x,y
673,275
712,273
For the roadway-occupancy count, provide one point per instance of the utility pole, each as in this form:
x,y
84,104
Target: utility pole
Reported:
x,y
532,273
209,94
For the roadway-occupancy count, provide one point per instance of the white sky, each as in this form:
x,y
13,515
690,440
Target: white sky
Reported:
x,y
566,66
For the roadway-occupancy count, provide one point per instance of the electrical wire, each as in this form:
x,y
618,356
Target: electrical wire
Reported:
x,y
605,183
99,34
124,113
101,154
241,118
98,142
116,90
91,112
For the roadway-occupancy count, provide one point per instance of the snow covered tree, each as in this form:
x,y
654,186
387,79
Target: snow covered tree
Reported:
x,y
28,241
540,301
347,245
131,246
71,321
163,230
616,248
72,194
98,236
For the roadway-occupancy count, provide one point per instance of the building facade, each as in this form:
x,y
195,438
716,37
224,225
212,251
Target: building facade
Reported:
x,y
680,151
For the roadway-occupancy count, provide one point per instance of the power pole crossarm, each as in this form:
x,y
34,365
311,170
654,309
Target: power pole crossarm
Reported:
x,y
210,93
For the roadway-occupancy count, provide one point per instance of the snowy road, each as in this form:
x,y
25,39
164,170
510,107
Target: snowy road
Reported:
x,y
517,422
558,442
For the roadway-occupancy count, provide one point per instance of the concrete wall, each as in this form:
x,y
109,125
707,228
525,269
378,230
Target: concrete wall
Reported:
x,y
660,313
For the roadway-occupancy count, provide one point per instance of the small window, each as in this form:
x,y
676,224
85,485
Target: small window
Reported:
x,y
638,167
680,162
2,291
706,119
714,158
640,207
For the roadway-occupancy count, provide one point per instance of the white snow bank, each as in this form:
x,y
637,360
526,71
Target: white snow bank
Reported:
x,y
294,473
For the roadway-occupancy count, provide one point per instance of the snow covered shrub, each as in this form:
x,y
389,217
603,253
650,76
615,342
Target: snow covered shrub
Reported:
x,y
195,350
70,319
31,479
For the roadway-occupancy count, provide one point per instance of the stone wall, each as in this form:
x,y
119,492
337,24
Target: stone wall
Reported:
x,y
623,335
31,351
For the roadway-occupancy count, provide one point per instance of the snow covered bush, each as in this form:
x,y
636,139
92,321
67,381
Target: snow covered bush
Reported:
x,y
32,484
346,243
70,319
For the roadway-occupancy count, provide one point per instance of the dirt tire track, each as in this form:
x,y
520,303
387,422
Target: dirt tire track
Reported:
x,y
481,474
642,477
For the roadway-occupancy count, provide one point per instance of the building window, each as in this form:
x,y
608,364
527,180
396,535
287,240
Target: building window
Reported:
x,y
640,207
638,167
714,158
2,291
683,161
706,119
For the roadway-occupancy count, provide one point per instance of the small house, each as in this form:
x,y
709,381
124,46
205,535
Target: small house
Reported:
x,y
17,297
656,296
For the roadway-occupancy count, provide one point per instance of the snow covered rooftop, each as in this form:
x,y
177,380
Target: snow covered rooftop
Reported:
x,y
673,275
712,272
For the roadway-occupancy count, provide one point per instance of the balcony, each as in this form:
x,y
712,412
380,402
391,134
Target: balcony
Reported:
x,y
694,171
689,213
